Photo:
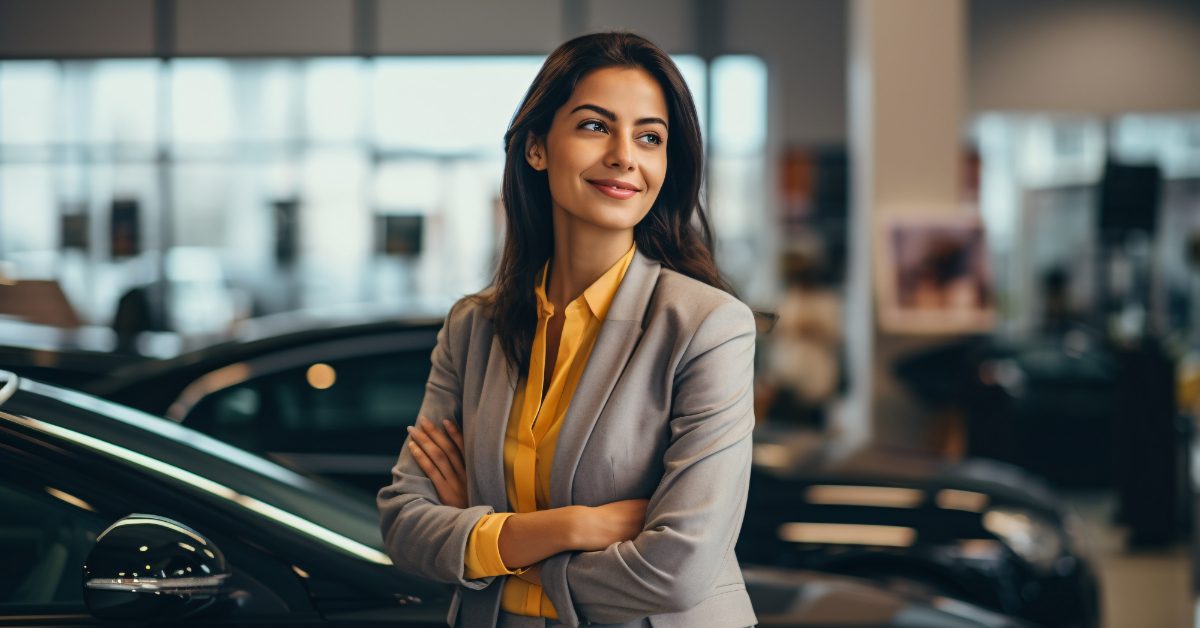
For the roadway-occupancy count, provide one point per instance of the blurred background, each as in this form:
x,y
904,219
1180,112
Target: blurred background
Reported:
x,y
977,221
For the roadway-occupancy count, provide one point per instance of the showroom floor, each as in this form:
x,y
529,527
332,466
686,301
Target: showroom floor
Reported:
x,y
1142,588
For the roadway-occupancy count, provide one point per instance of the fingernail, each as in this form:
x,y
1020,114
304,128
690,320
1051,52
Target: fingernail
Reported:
x,y
409,428
448,424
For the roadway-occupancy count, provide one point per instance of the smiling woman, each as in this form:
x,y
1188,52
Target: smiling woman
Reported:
x,y
618,149
608,335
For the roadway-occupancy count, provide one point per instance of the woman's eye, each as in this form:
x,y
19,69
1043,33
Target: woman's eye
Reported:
x,y
652,138
593,125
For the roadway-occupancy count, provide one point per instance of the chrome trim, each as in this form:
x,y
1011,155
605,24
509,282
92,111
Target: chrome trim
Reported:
x,y
171,431
203,584
156,521
234,374
10,386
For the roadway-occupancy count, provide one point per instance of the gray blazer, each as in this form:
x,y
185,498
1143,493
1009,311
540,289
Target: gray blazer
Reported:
x,y
663,411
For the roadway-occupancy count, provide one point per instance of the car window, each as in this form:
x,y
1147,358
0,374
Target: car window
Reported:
x,y
45,534
354,405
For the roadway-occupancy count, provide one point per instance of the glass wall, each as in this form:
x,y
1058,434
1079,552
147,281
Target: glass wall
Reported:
x,y
234,187
1042,200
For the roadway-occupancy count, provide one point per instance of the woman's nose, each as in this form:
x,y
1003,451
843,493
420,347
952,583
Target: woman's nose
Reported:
x,y
620,153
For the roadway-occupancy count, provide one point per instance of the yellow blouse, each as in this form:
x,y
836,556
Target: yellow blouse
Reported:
x,y
532,434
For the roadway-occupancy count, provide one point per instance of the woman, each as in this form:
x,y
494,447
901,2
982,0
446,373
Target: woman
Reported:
x,y
602,384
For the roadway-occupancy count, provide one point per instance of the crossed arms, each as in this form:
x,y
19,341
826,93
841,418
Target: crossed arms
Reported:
x,y
616,562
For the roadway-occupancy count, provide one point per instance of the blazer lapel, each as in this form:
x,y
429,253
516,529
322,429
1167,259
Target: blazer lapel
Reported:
x,y
619,335
488,425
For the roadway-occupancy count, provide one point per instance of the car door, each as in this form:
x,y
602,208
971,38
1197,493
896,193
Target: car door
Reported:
x,y
45,533
55,502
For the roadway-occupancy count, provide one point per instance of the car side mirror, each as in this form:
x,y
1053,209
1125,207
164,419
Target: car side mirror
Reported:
x,y
150,567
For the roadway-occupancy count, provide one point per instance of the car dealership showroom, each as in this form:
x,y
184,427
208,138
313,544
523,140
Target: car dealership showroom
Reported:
x,y
686,313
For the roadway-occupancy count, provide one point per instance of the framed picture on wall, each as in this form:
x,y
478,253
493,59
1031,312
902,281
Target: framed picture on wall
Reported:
x,y
932,275
400,235
285,215
125,229
74,233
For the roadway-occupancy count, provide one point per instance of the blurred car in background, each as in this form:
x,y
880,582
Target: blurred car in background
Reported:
x,y
71,356
234,539
66,367
1074,407
325,393
334,400
977,530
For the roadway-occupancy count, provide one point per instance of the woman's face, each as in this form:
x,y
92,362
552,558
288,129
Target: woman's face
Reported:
x,y
605,155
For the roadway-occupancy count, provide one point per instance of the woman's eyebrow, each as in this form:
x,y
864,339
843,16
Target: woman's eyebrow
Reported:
x,y
613,117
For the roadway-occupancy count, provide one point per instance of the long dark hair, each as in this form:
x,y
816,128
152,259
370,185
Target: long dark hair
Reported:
x,y
675,232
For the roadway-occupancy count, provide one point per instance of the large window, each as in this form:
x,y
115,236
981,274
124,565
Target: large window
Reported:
x,y
1041,199
260,185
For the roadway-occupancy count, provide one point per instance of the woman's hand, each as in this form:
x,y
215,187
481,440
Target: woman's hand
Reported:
x,y
533,575
440,455
600,526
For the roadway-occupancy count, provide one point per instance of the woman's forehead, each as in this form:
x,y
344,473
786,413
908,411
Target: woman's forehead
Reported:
x,y
623,91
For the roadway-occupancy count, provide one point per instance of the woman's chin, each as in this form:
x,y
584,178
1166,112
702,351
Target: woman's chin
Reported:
x,y
609,218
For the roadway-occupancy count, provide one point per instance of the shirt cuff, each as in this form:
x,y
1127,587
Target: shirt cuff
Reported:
x,y
482,557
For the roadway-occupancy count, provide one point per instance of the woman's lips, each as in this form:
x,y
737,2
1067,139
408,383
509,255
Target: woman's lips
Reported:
x,y
613,191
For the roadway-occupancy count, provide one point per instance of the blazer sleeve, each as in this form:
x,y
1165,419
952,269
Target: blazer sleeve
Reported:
x,y
695,514
422,536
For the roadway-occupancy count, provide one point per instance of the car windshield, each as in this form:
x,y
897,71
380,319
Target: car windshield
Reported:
x,y
343,520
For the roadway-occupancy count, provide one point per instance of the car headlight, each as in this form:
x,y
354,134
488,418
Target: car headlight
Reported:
x,y
1031,537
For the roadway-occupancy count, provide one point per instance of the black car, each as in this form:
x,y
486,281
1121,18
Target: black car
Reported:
x,y
264,394
328,395
977,530
109,515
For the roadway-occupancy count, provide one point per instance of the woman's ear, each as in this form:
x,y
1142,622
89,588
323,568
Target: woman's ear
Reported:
x,y
535,152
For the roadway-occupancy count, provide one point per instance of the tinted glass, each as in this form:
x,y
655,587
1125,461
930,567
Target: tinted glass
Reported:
x,y
355,405
45,534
